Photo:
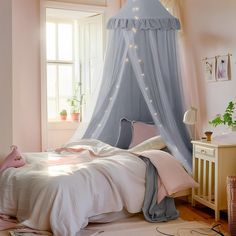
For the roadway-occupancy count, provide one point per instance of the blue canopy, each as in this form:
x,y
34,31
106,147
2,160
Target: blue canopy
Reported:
x,y
141,79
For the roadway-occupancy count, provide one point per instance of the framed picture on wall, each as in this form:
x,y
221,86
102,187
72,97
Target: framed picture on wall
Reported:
x,y
223,70
210,69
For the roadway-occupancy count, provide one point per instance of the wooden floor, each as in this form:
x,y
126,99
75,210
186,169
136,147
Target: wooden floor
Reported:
x,y
200,213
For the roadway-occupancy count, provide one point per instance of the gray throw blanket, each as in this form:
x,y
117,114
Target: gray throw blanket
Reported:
x,y
152,211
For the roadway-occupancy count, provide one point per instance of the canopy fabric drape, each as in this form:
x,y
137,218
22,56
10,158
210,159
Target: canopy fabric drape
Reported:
x,y
141,78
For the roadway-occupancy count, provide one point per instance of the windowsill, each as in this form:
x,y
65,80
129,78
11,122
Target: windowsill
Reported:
x,y
62,121
63,124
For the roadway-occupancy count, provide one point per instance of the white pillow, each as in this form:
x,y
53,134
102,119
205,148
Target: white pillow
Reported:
x,y
156,143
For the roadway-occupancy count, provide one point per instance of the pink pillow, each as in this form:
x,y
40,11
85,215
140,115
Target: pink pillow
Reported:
x,y
142,132
13,159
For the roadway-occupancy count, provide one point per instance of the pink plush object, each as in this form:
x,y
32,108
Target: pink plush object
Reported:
x,y
142,132
13,159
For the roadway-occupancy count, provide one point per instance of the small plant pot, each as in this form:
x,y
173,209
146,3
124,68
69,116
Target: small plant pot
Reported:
x,y
208,135
63,117
75,116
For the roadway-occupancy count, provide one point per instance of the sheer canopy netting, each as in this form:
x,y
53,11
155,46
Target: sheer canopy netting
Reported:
x,y
141,81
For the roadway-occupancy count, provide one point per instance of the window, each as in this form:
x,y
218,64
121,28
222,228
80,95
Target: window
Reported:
x,y
74,55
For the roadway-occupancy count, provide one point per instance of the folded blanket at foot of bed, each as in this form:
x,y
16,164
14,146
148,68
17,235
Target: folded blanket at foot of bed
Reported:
x,y
152,210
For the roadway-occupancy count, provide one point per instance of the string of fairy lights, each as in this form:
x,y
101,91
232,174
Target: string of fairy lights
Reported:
x,y
136,9
132,46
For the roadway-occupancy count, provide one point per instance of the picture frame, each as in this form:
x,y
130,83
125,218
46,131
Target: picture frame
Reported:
x,y
223,68
210,69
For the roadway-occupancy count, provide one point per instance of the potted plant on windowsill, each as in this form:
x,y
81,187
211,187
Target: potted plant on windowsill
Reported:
x,y
63,114
227,118
75,102
74,105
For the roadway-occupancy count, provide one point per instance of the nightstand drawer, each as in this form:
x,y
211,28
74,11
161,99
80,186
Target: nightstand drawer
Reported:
x,y
205,151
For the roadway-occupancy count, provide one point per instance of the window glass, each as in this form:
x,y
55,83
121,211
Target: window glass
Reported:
x,y
65,42
52,109
74,57
65,78
51,40
51,80
63,104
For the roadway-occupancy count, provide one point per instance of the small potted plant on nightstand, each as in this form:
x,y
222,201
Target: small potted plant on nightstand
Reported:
x,y
63,114
227,118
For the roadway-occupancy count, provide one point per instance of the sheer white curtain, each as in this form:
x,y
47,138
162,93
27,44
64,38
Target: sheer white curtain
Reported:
x,y
189,81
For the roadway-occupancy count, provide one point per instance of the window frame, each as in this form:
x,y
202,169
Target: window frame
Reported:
x,y
44,4
59,62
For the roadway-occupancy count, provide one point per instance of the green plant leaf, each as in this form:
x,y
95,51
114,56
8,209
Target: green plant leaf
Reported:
x,y
226,118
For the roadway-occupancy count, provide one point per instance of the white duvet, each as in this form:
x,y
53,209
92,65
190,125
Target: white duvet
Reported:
x,y
60,193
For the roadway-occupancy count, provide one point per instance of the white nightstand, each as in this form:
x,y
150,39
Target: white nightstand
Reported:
x,y
212,163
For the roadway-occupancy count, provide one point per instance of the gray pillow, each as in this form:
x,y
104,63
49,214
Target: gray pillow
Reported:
x,y
125,134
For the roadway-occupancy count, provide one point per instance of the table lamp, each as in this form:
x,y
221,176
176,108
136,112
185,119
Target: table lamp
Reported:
x,y
190,118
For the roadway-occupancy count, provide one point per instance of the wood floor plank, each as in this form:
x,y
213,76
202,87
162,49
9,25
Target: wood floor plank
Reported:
x,y
200,213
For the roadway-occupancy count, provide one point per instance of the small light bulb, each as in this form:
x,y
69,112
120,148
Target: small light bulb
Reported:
x,y
146,88
134,30
135,46
127,60
131,45
150,101
136,17
155,114
140,61
142,75
135,8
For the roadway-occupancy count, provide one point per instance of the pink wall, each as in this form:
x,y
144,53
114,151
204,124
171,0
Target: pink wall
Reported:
x,y
26,74
20,101
5,76
112,7
210,30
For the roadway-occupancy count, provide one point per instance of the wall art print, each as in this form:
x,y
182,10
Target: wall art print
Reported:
x,y
223,70
210,69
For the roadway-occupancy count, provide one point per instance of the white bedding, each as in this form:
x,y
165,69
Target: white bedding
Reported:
x,y
61,192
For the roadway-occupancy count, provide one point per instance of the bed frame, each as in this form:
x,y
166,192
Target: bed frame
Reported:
x,y
185,193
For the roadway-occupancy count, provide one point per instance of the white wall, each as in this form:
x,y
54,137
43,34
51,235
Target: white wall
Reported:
x,y
5,76
210,31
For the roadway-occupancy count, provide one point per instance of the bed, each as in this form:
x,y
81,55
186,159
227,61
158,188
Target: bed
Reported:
x,y
85,182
